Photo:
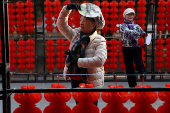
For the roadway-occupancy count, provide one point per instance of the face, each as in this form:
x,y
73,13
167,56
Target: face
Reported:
x,y
87,25
130,16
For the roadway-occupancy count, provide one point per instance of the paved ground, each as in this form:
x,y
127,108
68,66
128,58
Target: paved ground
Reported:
x,y
43,103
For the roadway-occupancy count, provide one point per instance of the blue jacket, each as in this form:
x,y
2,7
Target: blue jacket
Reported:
x,y
125,31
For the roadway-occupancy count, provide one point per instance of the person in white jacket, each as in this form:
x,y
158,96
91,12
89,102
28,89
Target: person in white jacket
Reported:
x,y
95,45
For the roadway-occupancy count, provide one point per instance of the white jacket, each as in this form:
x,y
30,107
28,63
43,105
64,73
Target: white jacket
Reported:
x,y
95,53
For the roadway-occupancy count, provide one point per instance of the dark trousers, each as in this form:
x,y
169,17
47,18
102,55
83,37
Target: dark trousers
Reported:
x,y
75,83
130,55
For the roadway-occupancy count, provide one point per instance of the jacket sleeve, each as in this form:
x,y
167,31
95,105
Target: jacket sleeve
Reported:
x,y
62,23
99,58
124,29
141,30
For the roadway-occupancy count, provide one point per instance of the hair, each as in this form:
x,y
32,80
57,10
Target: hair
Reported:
x,y
93,21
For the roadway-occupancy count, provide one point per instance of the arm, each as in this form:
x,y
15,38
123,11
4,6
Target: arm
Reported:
x,y
98,59
124,29
62,23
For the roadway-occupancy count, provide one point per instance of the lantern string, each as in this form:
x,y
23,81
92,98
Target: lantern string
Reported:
x,y
116,80
58,79
27,80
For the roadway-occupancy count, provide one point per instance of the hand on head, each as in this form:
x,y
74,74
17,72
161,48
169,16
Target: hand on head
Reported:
x,y
75,6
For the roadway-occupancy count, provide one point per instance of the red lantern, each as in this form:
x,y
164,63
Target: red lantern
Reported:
x,y
57,100
160,21
21,55
48,9
20,17
30,54
159,58
143,100
96,2
122,5
60,59
27,101
131,4
50,54
12,55
86,100
11,17
115,100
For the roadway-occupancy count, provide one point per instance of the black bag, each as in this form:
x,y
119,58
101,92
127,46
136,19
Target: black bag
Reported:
x,y
77,51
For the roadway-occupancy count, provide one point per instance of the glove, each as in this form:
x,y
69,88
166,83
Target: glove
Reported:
x,y
75,6
144,35
71,56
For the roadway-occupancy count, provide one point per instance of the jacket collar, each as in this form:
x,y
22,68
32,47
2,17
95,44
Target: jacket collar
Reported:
x,y
92,37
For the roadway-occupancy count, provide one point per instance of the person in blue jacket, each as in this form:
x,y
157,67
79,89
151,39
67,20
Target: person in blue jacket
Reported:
x,y
132,51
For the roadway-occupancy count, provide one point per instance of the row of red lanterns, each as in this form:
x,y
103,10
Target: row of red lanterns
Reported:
x,y
114,100
111,61
74,22
113,54
161,16
50,55
21,55
57,9
167,52
121,59
141,43
12,49
20,17
11,16
60,53
113,16
30,54
29,22
49,15
141,13
108,64
29,16
159,54
168,15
